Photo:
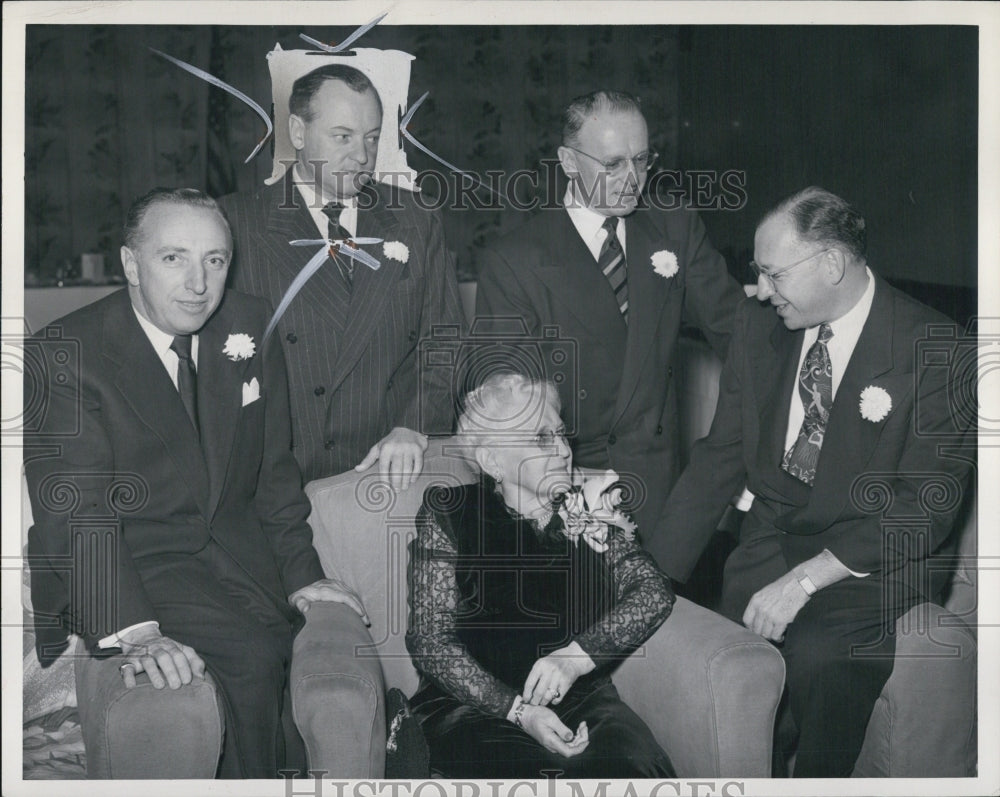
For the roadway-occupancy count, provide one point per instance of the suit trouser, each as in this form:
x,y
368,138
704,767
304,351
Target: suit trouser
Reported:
x,y
838,651
206,600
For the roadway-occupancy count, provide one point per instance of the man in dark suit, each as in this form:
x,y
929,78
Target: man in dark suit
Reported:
x,y
834,422
170,522
352,335
658,265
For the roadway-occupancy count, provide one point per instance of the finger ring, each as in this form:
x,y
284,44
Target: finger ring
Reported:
x,y
121,667
558,693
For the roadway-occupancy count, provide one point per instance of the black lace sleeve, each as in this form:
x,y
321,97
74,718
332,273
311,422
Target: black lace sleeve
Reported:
x,y
430,638
644,599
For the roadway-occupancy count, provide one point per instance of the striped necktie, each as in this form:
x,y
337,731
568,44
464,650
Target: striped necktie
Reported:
x,y
816,393
612,264
346,265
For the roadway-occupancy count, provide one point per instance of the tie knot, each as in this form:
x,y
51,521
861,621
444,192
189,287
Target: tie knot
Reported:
x,y
181,346
611,225
825,333
332,211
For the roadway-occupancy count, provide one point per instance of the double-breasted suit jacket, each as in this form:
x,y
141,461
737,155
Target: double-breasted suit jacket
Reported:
x,y
872,471
116,454
353,354
620,405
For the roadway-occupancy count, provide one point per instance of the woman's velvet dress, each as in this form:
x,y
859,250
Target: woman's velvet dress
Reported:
x,y
490,593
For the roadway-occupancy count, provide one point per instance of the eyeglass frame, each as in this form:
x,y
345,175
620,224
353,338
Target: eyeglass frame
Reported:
x,y
611,167
770,275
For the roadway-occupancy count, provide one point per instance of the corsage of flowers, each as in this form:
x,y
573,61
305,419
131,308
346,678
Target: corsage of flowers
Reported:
x,y
239,346
397,250
590,508
875,403
664,263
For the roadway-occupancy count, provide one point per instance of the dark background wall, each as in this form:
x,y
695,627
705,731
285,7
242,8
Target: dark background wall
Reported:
x,y
885,116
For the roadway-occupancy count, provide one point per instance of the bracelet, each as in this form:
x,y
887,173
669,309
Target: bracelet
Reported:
x,y
518,711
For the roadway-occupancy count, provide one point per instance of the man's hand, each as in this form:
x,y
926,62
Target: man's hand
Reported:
x,y
552,676
544,726
400,457
772,608
166,662
328,589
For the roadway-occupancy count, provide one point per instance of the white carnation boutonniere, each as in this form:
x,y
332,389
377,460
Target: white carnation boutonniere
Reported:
x,y
875,403
397,250
591,507
664,263
239,346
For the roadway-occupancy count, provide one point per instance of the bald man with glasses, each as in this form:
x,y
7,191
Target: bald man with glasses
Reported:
x,y
614,276
826,407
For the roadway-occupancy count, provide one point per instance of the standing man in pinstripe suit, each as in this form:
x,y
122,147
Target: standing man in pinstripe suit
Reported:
x,y
351,336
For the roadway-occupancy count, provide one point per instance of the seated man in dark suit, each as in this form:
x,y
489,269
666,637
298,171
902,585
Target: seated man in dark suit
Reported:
x,y
352,336
171,432
823,401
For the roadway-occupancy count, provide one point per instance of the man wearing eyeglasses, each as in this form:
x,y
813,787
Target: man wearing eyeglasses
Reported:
x,y
825,409
613,276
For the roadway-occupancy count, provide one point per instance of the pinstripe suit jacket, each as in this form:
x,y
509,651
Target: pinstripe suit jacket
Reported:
x,y
353,356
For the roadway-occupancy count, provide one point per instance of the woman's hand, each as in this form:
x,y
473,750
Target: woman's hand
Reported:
x,y
544,726
552,676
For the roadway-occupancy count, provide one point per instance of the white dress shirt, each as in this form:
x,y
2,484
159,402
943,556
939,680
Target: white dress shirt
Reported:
x,y
161,343
315,203
589,224
846,331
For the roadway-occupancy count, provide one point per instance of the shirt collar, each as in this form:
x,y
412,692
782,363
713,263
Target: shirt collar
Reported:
x,y
849,325
161,340
589,223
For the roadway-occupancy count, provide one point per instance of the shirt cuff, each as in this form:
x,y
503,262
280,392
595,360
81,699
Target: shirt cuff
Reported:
x,y
114,640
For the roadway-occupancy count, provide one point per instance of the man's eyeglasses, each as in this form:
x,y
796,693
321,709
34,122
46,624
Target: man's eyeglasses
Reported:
x,y
641,162
771,275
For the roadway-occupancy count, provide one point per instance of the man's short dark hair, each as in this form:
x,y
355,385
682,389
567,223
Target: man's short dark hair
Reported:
x,y
583,107
825,218
178,196
305,88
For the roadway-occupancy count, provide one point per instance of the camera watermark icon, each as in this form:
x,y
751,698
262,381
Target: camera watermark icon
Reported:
x,y
49,364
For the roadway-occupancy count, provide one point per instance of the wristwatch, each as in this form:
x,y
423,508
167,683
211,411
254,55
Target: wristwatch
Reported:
x,y
806,583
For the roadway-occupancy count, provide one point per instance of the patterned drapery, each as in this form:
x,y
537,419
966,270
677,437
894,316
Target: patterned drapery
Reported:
x,y
106,120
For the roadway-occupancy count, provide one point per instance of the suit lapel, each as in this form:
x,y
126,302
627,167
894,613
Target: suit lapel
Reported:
x,y
775,373
148,389
372,290
850,439
220,395
577,284
647,294
288,219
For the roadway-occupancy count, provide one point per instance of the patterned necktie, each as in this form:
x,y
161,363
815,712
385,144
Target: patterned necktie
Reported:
x,y
612,264
187,377
333,230
816,393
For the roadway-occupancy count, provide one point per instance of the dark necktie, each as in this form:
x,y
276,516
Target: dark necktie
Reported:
x,y
333,231
187,377
612,264
816,393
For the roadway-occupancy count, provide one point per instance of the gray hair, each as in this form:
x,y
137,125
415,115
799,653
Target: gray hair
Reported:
x,y
582,108
503,403
822,217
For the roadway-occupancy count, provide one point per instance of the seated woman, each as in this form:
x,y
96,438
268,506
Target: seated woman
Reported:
x,y
520,609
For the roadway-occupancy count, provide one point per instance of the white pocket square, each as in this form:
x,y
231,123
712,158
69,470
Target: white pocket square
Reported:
x,y
251,391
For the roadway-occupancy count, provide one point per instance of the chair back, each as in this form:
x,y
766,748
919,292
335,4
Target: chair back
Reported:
x,y
361,529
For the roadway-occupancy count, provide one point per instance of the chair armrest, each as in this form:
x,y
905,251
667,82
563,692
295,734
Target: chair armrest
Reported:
x,y
709,691
924,722
338,695
145,732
